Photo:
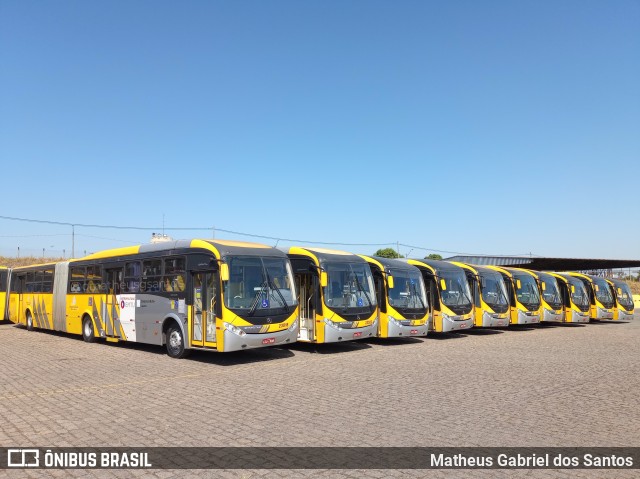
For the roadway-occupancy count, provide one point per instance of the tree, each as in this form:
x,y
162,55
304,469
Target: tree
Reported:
x,y
387,253
433,256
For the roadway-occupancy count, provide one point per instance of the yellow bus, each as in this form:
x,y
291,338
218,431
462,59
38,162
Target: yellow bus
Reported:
x,y
336,295
575,298
401,296
552,307
4,287
624,300
188,294
490,297
600,296
524,296
448,294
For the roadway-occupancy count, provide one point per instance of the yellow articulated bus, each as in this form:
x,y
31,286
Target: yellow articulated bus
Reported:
x,y
188,294
401,296
336,295
524,296
624,300
575,298
448,294
600,296
552,307
4,288
490,296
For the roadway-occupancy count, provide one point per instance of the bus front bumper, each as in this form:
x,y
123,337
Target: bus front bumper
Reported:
x,y
334,333
552,316
397,330
236,342
604,314
625,315
527,317
494,320
579,317
450,323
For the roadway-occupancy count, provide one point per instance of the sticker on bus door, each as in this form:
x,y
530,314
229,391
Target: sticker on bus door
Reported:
x,y
127,303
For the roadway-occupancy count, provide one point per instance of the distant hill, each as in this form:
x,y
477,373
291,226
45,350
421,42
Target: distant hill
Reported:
x,y
26,261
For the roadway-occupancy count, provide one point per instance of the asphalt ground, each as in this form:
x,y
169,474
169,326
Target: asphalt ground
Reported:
x,y
548,385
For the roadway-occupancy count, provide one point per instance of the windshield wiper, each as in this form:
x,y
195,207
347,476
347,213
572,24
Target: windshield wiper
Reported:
x,y
254,305
415,292
362,289
274,287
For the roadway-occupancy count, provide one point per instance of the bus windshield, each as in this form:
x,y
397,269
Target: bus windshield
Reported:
x,y
494,291
603,293
258,286
408,290
349,286
550,291
527,293
623,293
579,294
457,293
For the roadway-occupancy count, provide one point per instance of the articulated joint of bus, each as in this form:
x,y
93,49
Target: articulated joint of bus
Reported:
x,y
402,328
336,331
236,338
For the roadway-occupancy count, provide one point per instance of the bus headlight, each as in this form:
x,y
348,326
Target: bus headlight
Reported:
x,y
234,329
294,325
393,320
332,324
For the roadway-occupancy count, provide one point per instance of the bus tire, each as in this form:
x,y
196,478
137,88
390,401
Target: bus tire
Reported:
x,y
29,321
87,330
175,342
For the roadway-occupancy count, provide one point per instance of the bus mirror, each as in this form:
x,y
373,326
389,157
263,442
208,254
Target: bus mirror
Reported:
x,y
390,281
323,279
518,284
573,289
443,285
224,272
544,286
597,287
619,291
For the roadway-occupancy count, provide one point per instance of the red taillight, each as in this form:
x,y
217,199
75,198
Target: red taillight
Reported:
x,y
269,341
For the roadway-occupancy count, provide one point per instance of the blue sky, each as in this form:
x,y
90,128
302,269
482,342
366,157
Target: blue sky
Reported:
x,y
478,127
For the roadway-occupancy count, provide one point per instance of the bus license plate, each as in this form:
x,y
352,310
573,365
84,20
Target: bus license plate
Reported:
x,y
269,341
463,326
358,334
414,331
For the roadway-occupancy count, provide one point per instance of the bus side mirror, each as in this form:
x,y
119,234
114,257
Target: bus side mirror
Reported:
x,y
390,282
518,284
597,287
323,279
224,272
573,289
619,291
544,286
443,285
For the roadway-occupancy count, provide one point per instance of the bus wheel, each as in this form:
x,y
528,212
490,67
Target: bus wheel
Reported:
x,y
29,322
87,330
175,342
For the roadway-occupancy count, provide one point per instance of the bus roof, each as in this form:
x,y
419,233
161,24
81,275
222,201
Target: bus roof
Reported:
x,y
219,247
437,265
322,254
388,262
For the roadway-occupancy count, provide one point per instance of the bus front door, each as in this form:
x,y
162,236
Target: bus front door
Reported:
x,y
110,306
203,332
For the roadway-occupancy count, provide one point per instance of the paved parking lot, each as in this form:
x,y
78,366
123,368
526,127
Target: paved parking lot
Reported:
x,y
541,386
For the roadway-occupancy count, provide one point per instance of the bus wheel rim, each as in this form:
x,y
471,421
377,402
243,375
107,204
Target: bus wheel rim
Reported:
x,y
175,340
